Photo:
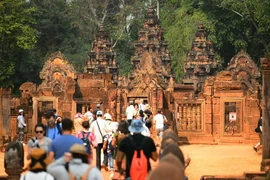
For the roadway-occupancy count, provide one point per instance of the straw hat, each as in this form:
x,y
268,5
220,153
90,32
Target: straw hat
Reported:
x,y
78,149
39,159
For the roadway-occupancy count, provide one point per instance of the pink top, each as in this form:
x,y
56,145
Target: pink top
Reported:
x,y
91,137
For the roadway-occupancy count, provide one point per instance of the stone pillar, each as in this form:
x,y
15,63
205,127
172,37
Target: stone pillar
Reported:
x,y
265,66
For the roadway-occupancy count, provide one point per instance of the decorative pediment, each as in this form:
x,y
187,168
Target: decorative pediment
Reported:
x,y
55,72
243,67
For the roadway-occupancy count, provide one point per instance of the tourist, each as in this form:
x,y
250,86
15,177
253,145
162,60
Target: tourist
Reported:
x,y
259,131
78,119
158,122
142,105
136,112
130,112
21,125
89,115
131,143
143,118
96,110
37,166
63,143
100,129
149,113
53,127
39,141
74,164
85,133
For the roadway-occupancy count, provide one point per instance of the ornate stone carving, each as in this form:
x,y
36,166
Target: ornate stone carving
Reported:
x,y
200,62
55,73
102,59
245,70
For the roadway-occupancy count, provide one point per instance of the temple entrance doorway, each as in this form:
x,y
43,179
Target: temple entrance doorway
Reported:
x,y
43,107
232,118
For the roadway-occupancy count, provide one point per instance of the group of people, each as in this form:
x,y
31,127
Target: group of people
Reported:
x,y
56,152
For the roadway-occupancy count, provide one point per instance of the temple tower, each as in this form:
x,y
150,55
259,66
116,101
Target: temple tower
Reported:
x,y
102,59
200,62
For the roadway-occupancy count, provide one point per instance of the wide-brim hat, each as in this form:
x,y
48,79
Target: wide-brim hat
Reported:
x,y
39,159
136,126
78,149
20,110
107,117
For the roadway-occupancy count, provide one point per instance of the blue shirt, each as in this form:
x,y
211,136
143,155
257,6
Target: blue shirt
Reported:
x,y
62,144
53,133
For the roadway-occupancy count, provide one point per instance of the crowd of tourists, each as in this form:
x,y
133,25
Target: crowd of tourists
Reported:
x,y
63,148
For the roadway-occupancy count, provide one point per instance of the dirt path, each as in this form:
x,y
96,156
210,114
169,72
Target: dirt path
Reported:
x,y
209,160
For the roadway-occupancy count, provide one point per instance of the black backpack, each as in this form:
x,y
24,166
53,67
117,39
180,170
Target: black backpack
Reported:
x,y
86,141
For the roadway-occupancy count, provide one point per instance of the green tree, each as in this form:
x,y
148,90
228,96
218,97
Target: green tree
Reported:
x,y
16,35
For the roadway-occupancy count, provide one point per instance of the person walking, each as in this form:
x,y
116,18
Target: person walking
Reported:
x,y
63,143
100,129
133,143
39,141
53,127
21,125
259,130
88,138
74,165
158,122
37,167
130,112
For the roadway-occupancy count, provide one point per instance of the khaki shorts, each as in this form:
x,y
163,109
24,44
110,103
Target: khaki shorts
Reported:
x,y
159,132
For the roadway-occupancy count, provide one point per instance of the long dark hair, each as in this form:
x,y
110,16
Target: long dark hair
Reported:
x,y
123,127
42,126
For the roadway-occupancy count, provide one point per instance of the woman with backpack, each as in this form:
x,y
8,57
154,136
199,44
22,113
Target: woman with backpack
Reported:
x,y
39,141
88,138
118,136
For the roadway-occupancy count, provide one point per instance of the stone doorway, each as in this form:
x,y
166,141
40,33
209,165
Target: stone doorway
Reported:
x,y
232,118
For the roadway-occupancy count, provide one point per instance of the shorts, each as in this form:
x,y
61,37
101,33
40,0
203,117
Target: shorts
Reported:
x,y
159,132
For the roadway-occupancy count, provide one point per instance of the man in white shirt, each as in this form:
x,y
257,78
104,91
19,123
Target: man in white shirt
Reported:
x,y
142,105
130,112
100,129
89,115
158,122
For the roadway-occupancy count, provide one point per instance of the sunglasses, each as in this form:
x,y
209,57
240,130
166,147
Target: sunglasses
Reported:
x,y
39,131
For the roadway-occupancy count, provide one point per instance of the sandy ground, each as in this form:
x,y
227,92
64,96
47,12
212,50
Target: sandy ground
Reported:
x,y
208,160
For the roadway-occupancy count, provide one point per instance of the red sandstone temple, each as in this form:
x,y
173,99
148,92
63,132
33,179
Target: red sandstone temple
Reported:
x,y
207,106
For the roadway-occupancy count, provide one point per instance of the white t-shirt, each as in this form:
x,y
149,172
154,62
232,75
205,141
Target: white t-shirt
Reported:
x,y
103,125
88,115
130,112
112,126
159,120
40,175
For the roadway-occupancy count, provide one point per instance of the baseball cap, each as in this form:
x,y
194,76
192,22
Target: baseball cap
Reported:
x,y
99,113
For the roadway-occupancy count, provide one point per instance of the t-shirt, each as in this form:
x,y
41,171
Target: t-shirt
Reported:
x,y
40,175
45,144
159,120
53,133
128,149
62,144
130,112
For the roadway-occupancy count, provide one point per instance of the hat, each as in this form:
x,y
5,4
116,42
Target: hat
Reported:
x,y
39,159
98,105
107,117
78,115
136,126
78,149
99,113
20,110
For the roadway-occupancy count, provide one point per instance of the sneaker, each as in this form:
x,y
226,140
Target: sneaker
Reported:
x,y
255,149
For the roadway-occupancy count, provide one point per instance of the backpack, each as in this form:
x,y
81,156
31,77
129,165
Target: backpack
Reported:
x,y
78,177
86,141
139,163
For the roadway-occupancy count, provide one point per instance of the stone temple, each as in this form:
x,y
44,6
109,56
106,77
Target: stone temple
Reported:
x,y
206,106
